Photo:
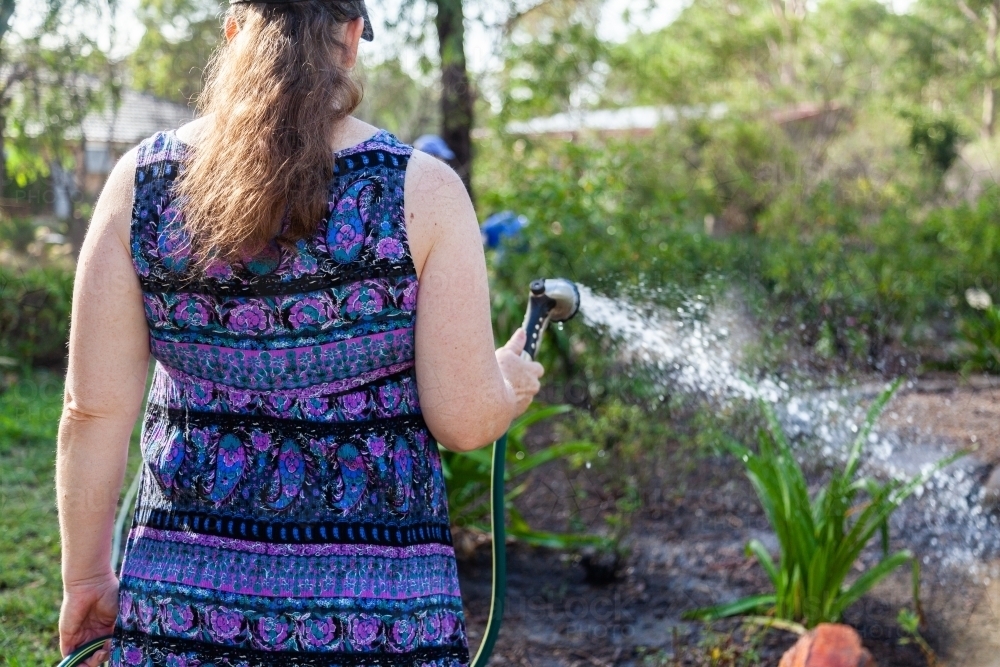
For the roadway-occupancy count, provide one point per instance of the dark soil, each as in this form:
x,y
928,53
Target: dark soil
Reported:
x,y
686,551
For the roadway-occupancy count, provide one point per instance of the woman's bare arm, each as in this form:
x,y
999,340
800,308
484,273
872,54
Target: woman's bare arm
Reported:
x,y
469,392
108,362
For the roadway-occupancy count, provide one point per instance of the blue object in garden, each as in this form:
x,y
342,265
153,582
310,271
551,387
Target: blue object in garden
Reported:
x,y
434,145
505,224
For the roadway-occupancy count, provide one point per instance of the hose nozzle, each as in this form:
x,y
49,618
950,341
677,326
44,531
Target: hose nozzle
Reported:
x,y
551,299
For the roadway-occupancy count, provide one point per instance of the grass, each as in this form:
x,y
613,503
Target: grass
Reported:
x,y
30,585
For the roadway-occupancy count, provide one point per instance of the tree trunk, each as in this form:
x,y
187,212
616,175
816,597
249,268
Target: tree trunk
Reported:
x,y
989,88
456,93
3,158
785,14
6,15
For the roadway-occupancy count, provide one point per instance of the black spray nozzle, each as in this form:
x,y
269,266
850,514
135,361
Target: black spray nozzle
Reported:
x,y
552,299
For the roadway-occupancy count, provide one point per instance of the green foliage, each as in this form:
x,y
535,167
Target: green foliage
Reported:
x,y
179,38
547,75
34,314
394,100
746,165
820,537
468,476
911,622
17,233
936,139
856,287
715,51
981,332
58,83
601,216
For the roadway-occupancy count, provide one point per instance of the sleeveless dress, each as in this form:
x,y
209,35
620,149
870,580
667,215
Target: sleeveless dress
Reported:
x,y
292,507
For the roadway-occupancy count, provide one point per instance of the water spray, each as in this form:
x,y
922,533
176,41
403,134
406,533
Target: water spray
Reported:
x,y
550,300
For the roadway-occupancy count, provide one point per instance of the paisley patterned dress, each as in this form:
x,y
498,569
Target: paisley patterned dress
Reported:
x,y
292,508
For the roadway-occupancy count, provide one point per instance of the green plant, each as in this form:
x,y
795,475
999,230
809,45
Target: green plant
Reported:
x,y
17,233
468,475
912,620
981,333
909,621
937,139
34,314
726,646
820,537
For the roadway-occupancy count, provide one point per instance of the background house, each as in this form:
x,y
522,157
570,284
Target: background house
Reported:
x,y
107,135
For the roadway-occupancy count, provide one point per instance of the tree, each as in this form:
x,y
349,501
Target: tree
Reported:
x,y
179,38
985,15
964,35
20,61
553,60
716,51
395,100
789,14
457,99
61,86
456,93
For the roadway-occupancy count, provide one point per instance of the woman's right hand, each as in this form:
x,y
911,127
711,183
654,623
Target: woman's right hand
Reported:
x,y
521,375
89,610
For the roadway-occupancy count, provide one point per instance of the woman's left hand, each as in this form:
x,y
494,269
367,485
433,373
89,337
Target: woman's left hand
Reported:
x,y
89,610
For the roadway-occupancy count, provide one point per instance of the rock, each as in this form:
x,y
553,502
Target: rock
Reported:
x,y
991,490
468,541
828,645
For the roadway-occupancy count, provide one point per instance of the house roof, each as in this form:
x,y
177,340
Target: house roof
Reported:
x,y
807,118
613,120
138,116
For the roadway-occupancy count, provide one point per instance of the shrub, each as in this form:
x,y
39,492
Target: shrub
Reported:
x,y
857,288
981,333
468,476
34,315
17,233
602,215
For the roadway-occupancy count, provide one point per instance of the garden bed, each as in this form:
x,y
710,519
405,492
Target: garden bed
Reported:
x,y
686,551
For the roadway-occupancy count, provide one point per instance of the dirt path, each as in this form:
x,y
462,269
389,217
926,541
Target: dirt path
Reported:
x,y
966,414
962,414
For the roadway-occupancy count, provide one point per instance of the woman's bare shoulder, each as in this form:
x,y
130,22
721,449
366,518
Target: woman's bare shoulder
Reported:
x,y
114,207
436,205
189,132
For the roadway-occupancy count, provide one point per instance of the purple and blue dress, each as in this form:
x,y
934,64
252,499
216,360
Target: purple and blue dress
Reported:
x,y
292,507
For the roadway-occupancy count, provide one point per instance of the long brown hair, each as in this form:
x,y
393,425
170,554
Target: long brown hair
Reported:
x,y
275,94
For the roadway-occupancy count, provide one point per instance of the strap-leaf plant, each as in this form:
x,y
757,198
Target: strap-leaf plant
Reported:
x,y
468,482
821,537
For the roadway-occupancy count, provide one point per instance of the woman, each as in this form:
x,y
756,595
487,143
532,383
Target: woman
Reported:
x,y
292,508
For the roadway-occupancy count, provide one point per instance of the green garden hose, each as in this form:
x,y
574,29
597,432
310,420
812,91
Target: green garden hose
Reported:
x,y
499,539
